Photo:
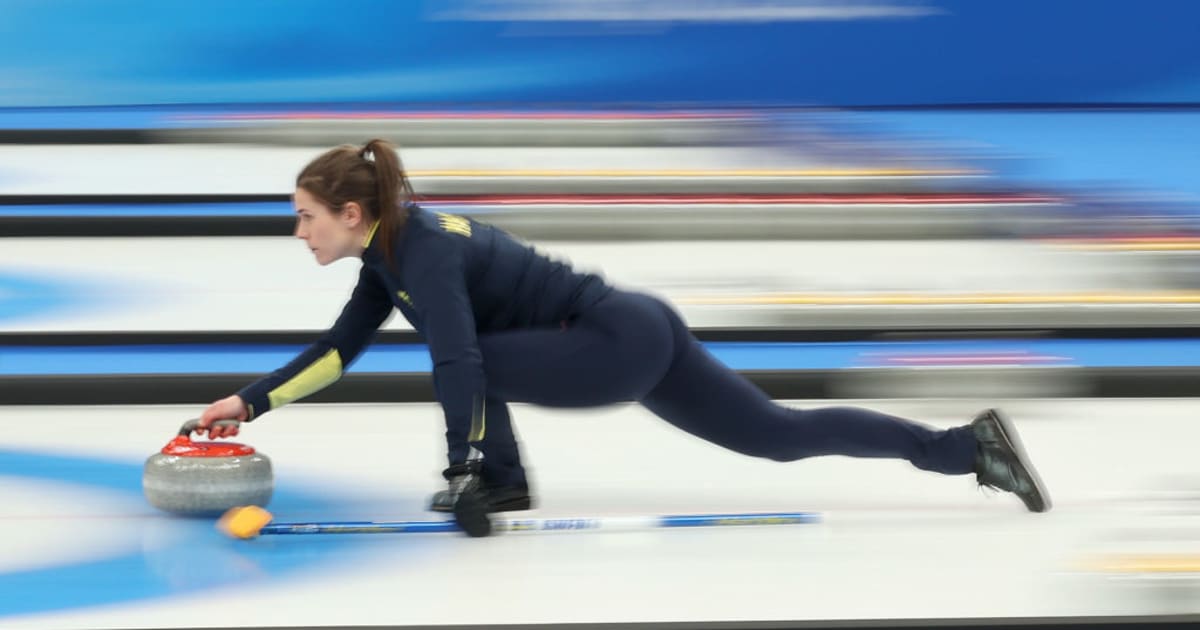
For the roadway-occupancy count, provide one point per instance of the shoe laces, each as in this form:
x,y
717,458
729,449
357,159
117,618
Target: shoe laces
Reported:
x,y
462,476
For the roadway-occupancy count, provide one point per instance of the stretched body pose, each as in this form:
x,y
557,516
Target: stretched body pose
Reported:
x,y
504,324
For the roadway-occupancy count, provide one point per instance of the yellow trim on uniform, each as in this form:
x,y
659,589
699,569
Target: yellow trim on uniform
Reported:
x,y
319,375
370,234
478,424
454,224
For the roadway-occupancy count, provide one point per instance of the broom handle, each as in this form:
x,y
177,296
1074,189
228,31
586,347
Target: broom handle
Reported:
x,y
548,524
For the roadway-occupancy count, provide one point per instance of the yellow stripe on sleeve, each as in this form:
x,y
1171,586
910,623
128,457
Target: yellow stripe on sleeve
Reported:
x,y
320,374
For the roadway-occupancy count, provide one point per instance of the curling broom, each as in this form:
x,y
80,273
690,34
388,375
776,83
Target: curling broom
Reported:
x,y
252,521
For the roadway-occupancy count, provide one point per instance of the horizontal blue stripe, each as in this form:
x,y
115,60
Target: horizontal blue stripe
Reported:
x,y
723,520
254,209
414,358
1086,151
361,527
85,118
147,117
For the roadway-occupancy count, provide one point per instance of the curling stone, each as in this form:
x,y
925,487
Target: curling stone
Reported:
x,y
206,478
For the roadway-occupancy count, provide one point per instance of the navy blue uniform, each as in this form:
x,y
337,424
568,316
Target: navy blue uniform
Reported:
x,y
506,324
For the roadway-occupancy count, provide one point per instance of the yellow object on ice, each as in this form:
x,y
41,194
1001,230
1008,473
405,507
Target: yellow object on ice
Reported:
x,y
244,522
1147,563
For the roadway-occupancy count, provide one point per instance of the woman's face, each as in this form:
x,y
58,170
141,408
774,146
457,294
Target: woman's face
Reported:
x,y
330,236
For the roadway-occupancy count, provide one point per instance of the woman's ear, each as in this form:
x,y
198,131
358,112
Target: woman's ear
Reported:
x,y
352,214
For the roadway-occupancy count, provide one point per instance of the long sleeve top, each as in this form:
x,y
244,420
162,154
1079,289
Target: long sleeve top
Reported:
x,y
453,279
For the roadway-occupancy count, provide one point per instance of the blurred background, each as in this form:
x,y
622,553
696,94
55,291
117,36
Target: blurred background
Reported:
x,y
934,204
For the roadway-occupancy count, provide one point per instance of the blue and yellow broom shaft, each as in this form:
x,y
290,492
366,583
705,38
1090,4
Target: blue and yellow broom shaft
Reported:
x,y
250,522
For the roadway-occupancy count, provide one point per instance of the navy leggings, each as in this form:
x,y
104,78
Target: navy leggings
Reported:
x,y
633,347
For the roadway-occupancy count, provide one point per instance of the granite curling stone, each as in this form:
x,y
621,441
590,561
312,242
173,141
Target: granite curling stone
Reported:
x,y
206,478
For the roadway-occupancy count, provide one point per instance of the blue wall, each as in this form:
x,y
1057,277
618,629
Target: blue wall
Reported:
x,y
484,52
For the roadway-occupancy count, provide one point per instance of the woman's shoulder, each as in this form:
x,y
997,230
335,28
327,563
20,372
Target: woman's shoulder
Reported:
x,y
426,236
447,228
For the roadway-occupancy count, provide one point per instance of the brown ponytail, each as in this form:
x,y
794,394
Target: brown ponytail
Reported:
x,y
371,176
